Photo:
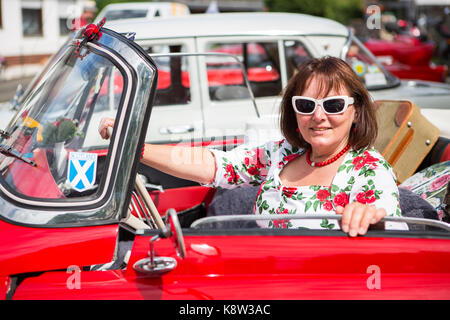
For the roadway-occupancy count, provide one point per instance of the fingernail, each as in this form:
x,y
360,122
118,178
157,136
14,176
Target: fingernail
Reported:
x,y
362,230
373,221
352,233
345,228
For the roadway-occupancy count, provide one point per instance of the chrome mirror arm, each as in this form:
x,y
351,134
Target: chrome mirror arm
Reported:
x,y
155,266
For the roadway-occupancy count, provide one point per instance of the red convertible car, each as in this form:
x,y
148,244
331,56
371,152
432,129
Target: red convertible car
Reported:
x,y
408,58
78,222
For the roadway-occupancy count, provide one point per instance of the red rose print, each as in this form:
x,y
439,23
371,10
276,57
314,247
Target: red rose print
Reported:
x,y
341,199
258,158
365,197
370,196
358,162
439,182
328,205
361,198
233,177
290,157
322,195
371,161
253,171
361,161
280,223
289,191
285,211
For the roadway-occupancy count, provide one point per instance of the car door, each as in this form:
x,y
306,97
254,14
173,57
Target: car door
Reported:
x,y
262,264
177,112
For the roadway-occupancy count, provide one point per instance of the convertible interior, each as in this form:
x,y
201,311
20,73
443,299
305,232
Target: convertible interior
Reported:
x,y
406,139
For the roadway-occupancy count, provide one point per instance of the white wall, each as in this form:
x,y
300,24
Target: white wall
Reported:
x,y
12,41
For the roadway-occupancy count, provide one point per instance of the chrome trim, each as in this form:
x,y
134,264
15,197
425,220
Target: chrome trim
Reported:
x,y
346,46
389,76
421,221
157,267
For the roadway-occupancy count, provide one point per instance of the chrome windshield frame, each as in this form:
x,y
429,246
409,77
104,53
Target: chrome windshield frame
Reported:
x,y
393,80
111,200
427,222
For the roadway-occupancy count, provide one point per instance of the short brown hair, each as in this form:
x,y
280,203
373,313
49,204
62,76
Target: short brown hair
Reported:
x,y
333,73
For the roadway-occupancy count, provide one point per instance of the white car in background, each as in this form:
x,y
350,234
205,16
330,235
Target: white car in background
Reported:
x,y
204,98
201,99
142,11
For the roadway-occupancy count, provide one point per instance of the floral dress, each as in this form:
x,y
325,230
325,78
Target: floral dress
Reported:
x,y
364,176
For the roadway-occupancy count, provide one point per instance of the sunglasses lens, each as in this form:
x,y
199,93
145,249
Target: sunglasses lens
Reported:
x,y
334,105
304,106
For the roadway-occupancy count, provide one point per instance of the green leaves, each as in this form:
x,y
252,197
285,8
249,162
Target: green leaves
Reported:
x,y
366,172
62,130
308,205
325,224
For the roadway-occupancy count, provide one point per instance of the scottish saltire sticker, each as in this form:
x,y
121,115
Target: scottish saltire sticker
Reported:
x,y
82,170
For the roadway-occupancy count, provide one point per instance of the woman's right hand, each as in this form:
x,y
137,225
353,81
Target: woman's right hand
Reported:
x,y
103,126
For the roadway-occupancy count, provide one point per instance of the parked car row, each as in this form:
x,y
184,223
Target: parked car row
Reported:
x,y
206,104
408,58
77,222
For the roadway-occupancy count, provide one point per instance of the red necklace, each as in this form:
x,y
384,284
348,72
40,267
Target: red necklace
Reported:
x,y
326,162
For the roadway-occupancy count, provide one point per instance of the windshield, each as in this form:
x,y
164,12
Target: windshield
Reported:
x,y
367,67
57,128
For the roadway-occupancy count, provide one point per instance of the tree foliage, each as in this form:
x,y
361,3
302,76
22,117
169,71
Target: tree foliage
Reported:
x,y
339,10
103,3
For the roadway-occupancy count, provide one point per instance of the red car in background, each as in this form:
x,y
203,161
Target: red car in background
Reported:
x,y
408,58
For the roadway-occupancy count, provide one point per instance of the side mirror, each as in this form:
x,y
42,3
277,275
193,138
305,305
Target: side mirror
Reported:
x,y
155,266
175,233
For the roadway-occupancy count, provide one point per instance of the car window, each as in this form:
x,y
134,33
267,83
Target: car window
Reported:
x,y
57,129
125,14
366,66
261,64
173,76
295,54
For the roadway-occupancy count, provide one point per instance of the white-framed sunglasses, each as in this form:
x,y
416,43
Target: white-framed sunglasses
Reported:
x,y
330,105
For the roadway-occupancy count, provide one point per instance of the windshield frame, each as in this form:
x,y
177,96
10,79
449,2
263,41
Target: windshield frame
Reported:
x,y
105,188
393,81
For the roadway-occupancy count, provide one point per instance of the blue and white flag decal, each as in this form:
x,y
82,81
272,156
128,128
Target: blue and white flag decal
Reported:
x,y
82,170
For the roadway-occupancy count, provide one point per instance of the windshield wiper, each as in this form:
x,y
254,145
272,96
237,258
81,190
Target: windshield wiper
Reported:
x,y
9,151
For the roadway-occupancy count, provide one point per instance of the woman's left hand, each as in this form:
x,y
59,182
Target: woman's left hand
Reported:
x,y
357,217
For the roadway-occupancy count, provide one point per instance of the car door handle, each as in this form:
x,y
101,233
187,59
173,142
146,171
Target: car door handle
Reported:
x,y
177,129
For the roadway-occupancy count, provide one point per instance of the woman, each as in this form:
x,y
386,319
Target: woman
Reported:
x,y
325,164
